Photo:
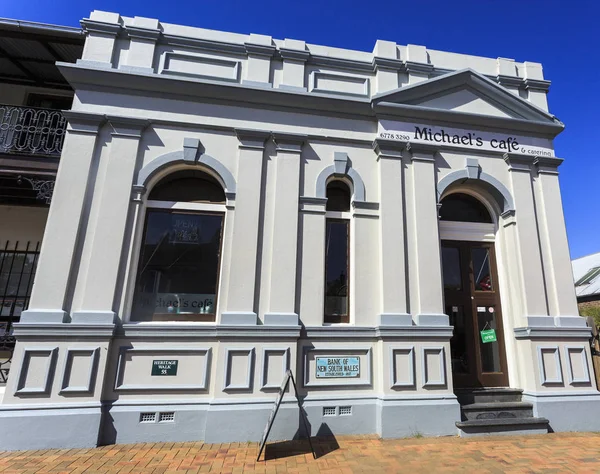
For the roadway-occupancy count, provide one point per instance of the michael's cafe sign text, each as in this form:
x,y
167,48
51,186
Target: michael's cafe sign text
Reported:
x,y
454,137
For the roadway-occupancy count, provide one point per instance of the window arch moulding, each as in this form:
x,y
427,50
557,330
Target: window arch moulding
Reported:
x,y
191,154
341,168
473,173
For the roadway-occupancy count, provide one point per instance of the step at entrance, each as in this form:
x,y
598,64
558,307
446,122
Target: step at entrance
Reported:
x,y
488,411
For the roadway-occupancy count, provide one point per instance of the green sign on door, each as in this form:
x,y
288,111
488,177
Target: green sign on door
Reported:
x,y
489,335
164,367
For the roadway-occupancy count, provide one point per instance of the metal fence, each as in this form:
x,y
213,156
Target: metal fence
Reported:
x,y
31,130
17,271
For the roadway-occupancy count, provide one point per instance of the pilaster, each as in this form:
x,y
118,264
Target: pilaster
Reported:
x,y
387,65
64,220
294,55
392,234
562,302
526,242
282,294
101,30
417,64
260,50
108,231
143,35
240,304
536,86
311,233
424,261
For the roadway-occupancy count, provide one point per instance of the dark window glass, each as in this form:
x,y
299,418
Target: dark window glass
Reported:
x,y
188,186
490,351
179,264
338,196
463,208
336,271
481,269
451,268
49,101
458,343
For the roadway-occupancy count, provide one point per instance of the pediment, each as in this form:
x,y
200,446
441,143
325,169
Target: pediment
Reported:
x,y
465,92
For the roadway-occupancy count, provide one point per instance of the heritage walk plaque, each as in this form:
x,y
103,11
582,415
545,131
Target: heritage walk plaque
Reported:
x,y
284,386
164,367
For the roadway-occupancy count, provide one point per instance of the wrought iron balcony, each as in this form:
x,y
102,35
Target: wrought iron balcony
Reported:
x,y
31,131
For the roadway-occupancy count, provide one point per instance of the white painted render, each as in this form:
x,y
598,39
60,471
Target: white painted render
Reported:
x,y
268,118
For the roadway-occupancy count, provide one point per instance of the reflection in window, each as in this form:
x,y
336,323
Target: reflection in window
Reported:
x,y
463,208
336,271
338,196
178,269
481,269
451,268
188,186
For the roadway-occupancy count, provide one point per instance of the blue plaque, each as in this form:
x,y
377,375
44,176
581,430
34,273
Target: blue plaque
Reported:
x,y
338,367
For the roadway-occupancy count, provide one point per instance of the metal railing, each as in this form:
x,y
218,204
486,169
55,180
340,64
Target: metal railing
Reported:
x,y
17,271
31,130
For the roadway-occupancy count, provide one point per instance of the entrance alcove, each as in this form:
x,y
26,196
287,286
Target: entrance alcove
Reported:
x,y
470,213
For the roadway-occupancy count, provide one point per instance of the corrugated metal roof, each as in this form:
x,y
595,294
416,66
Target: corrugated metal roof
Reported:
x,y
29,51
581,266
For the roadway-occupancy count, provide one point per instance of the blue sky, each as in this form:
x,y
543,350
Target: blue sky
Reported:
x,y
562,35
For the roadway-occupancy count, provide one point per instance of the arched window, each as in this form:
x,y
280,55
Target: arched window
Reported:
x,y
464,208
337,259
178,270
338,196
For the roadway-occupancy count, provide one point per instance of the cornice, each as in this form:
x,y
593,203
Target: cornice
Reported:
x,y
388,63
172,330
294,54
288,142
99,27
260,49
547,165
537,84
509,81
553,333
40,330
205,44
389,148
82,76
142,33
378,332
419,68
351,64
252,139
422,151
518,162
84,122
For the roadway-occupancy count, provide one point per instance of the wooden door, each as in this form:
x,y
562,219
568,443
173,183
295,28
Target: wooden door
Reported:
x,y
472,302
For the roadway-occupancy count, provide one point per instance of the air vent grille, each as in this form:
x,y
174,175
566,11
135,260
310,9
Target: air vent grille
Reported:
x,y
166,417
346,410
147,417
328,411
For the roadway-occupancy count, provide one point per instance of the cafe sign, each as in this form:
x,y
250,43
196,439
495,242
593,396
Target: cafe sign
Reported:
x,y
461,138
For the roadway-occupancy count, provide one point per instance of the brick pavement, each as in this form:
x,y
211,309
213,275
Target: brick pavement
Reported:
x,y
564,452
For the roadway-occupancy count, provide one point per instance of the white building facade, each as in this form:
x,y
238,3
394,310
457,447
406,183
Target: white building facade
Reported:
x,y
387,225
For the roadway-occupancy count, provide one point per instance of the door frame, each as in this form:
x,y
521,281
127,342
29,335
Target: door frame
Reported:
x,y
470,299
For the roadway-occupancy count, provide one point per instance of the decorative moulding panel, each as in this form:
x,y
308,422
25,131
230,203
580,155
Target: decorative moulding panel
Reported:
x,y
363,353
433,371
135,375
550,365
233,358
577,365
37,371
268,369
200,66
334,83
87,374
402,367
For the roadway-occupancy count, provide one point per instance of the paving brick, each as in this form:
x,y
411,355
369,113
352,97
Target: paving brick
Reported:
x,y
553,453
